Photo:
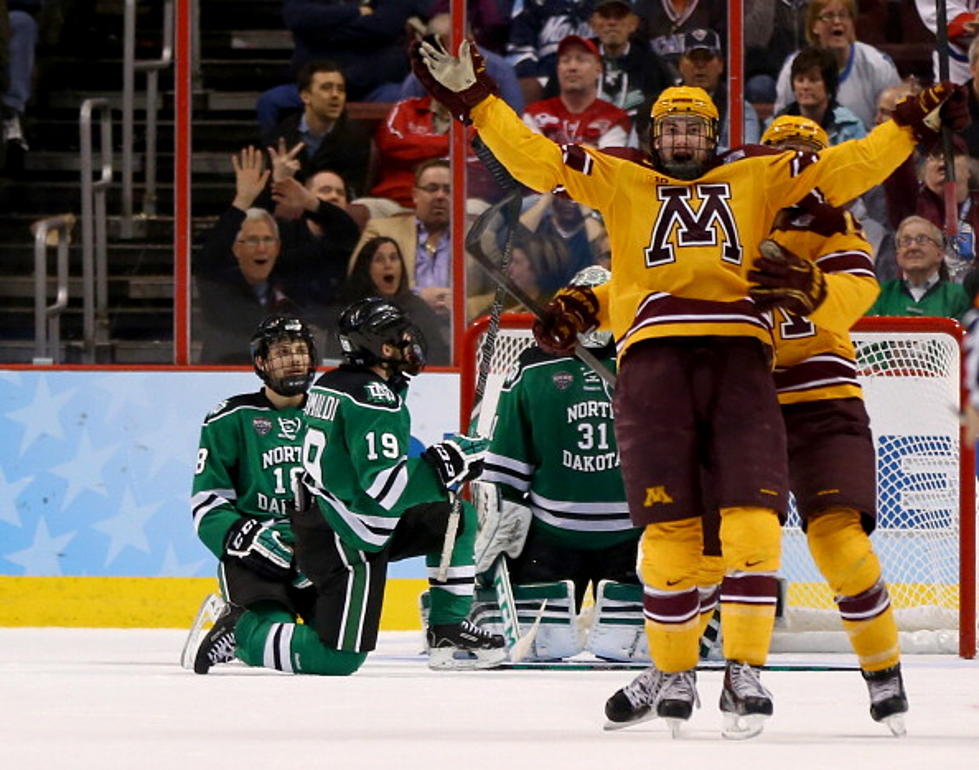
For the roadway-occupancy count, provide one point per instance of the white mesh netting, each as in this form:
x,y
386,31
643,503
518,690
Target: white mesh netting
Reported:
x,y
911,386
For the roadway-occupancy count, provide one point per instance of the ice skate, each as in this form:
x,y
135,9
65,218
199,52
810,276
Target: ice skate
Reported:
x,y
677,698
461,646
888,701
218,646
745,703
633,703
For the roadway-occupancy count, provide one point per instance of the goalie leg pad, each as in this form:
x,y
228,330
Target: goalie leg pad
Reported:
x,y
617,631
751,544
558,635
845,556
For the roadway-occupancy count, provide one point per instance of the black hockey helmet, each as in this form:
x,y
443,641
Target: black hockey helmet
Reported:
x,y
368,324
272,329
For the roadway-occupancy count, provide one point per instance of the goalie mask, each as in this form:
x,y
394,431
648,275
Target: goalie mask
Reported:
x,y
683,133
286,369
794,132
591,276
368,324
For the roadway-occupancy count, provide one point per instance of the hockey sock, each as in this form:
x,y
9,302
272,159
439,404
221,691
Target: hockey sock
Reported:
x,y
669,555
751,543
710,573
269,636
845,557
452,598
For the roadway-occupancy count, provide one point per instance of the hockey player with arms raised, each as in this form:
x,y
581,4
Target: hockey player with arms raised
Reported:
x,y
562,516
694,387
832,461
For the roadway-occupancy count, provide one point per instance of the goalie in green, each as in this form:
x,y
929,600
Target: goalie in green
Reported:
x,y
552,503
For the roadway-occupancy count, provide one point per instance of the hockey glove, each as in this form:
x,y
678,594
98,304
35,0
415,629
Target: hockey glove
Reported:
x,y
782,279
261,547
301,581
503,525
573,310
460,83
457,459
944,104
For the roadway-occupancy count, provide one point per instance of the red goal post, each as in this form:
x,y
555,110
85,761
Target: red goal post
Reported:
x,y
911,372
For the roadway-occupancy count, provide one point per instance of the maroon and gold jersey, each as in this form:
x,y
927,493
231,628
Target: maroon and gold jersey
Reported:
x,y
814,357
681,250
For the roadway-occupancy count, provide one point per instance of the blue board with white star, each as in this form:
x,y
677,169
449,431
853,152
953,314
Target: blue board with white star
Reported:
x,y
96,467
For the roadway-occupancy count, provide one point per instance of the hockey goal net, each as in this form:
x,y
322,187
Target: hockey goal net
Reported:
x,y
910,370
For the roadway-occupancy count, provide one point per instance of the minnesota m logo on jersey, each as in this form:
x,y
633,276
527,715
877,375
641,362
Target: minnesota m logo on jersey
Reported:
x,y
656,495
676,217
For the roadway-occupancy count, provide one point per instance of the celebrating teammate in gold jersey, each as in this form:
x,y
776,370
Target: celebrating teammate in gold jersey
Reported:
x,y
695,398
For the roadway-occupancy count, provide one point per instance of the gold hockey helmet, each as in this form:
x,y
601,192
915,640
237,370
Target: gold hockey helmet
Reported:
x,y
686,100
797,131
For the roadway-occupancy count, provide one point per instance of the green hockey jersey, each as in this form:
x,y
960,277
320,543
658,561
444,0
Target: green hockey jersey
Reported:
x,y
554,441
249,454
355,456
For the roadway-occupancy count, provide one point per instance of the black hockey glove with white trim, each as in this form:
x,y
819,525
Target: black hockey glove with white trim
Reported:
x,y
260,546
457,459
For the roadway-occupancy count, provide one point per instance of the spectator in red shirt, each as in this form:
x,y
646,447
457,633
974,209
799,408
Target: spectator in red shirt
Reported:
x,y
576,115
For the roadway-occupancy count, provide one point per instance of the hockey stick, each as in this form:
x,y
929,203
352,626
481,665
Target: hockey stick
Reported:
x,y
512,205
948,187
478,245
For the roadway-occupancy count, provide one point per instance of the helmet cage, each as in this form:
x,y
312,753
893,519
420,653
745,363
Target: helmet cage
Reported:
x,y
367,325
275,329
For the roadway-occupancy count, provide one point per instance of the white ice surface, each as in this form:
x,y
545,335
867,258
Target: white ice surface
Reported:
x,y
73,698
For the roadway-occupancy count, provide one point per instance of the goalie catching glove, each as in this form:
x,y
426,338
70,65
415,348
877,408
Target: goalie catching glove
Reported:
x,y
573,311
457,459
260,546
782,279
460,83
925,113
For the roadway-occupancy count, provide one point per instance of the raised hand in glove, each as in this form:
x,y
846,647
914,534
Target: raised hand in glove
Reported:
x,y
782,279
261,547
458,82
457,459
943,104
573,310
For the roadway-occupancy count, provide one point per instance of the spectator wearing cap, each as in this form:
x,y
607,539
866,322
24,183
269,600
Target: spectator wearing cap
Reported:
x,y
631,72
924,288
576,115
702,65
667,21
814,86
862,71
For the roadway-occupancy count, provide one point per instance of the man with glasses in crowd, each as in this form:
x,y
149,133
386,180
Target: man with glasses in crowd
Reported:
x,y
925,289
423,235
